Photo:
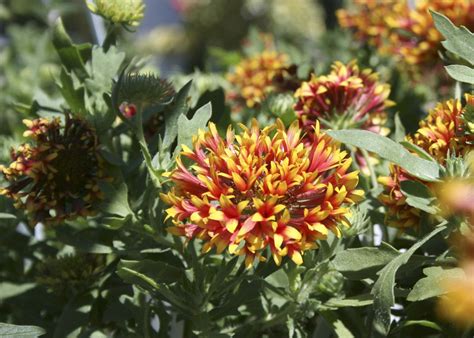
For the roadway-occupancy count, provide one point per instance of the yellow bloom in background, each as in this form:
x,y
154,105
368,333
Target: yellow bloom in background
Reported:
x,y
126,12
347,97
55,177
253,77
405,29
441,133
457,304
261,189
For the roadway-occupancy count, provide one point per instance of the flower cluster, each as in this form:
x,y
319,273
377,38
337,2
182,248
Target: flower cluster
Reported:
x,y
345,98
253,78
441,133
55,176
262,189
405,30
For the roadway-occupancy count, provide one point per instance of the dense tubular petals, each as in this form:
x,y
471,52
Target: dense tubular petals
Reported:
x,y
441,133
272,190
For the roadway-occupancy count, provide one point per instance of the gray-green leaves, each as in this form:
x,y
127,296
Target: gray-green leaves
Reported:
x,y
389,150
460,42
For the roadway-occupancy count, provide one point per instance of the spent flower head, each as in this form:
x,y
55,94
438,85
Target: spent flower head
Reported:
x,y
262,188
56,175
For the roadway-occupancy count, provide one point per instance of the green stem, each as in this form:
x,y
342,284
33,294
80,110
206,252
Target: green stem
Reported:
x,y
373,177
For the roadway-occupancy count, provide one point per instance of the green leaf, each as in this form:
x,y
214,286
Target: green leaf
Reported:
x,y
84,240
337,325
8,290
361,262
424,323
116,199
417,150
461,73
459,41
102,68
400,131
188,128
419,196
71,55
432,285
178,108
383,290
151,272
4,215
389,150
10,330
360,300
72,91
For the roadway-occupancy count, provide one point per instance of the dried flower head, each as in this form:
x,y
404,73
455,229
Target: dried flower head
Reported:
x,y
253,78
126,12
441,133
262,189
345,98
55,177
69,273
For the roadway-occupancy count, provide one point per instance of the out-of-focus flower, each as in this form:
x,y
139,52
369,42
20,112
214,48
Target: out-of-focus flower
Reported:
x,y
69,272
55,176
253,78
367,19
457,304
253,191
126,12
441,133
345,98
405,28
414,37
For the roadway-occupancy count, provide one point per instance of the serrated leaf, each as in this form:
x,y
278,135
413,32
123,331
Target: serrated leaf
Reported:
x,y
459,40
432,285
383,290
419,196
10,330
461,73
188,128
116,199
388,150
102,68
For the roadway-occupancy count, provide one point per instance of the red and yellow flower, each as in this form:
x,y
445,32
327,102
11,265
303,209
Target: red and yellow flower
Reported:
x,y
441,133
262,189
253,78
345,98
405,30
55,177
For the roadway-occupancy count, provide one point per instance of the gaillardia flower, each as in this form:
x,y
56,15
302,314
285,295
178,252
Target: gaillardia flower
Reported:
x,y
262,189
345,98
55,177
253,78
441,133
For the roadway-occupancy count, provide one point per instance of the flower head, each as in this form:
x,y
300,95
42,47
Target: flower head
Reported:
x,y
253,78
262,189
440,134
345,98
127,12
367,19
55,176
